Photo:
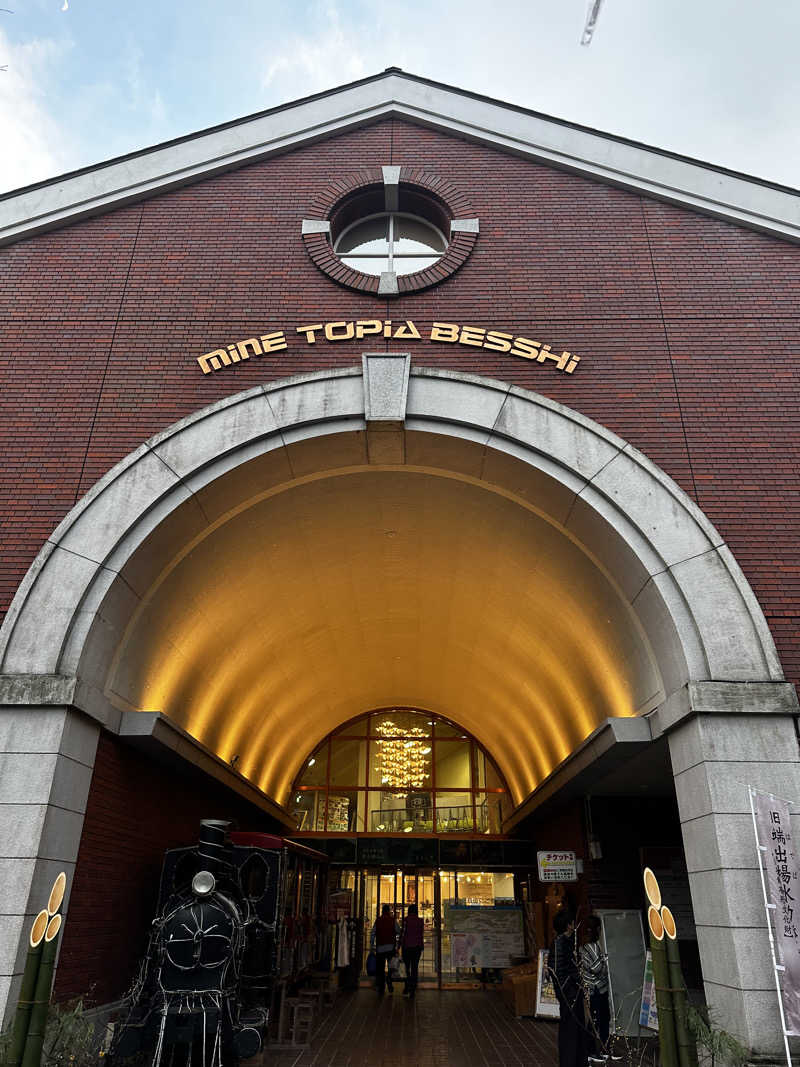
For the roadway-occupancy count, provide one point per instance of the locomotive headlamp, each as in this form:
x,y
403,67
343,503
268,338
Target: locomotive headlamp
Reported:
x,y
203,883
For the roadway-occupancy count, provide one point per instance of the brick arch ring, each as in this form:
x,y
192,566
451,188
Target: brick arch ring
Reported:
x,y
464,228
675,570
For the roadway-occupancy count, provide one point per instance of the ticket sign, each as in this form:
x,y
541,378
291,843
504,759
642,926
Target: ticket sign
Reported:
x,y
557,866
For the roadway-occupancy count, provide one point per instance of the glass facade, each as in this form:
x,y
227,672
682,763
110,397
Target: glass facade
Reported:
x,y
442,898
400,771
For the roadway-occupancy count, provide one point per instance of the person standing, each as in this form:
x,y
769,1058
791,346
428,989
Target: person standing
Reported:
x,y
567,982
384,943
594,970
412,941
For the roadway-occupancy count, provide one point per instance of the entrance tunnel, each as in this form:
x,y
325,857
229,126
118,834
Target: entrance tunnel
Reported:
x,y
359,588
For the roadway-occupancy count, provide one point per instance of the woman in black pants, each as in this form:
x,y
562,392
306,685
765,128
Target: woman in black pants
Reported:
x,y
412,940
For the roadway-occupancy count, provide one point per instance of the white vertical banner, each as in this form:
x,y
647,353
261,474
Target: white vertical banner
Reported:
x,y
780,880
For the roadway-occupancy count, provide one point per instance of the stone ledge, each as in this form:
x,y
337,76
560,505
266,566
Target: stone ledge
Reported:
x,y
725,698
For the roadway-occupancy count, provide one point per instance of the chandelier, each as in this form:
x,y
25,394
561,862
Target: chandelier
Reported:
x,y
402,761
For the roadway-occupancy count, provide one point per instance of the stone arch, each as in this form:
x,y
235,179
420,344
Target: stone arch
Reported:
x,y
674,574
693,637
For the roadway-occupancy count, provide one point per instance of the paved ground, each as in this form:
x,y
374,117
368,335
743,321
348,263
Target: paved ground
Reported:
x,y
447,1029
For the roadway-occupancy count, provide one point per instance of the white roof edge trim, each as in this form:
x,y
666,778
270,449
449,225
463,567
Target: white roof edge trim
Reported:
x,y
601,157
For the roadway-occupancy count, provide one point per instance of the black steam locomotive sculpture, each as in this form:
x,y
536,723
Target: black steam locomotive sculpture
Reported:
x,y
235,913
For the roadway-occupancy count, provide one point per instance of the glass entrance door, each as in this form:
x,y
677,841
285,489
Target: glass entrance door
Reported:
x,y
419,887
400,889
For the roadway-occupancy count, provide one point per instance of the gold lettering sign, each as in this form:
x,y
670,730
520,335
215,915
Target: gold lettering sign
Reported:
x,y
441,332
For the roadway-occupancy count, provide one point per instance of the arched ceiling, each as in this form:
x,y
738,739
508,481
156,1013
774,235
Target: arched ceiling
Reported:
x,y
367,587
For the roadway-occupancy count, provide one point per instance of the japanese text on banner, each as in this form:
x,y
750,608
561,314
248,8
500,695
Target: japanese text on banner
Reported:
x,y
774,827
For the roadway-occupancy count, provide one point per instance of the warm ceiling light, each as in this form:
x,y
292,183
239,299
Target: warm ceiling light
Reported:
x,y
401,761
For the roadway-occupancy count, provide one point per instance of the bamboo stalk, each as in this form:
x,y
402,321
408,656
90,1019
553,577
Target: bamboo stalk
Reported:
x,y
667,1039
56,898
687,1050
22,1017
652,889
32,1057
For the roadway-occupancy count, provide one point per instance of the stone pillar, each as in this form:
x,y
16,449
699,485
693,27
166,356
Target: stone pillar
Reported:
x,y
46,762
723,737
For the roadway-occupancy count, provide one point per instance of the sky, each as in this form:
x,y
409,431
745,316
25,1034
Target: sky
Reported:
x,y
87,80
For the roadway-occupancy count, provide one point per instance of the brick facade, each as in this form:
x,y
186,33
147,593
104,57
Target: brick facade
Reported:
x,y
687,328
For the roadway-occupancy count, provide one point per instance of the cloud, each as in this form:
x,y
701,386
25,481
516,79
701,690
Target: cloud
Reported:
x,y
138,94
308,60
33,146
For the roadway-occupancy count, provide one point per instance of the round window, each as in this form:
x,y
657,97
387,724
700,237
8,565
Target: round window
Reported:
x,y
390,241
390,230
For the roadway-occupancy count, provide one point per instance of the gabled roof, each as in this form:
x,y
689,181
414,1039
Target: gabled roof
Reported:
x,y
701,187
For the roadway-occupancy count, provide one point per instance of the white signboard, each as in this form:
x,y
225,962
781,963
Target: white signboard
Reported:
x,y
557,866
779,865
484,936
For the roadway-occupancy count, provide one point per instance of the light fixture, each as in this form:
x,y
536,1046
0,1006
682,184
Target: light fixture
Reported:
x,y
203,883
402,760
311,762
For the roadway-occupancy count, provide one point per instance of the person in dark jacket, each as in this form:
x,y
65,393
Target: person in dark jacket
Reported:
x,y
572,1035
413,940
594,969
384,942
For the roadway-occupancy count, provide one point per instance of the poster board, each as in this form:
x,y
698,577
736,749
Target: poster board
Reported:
x,y
489,936
648,1016
623,942
466,951
546,999
338,813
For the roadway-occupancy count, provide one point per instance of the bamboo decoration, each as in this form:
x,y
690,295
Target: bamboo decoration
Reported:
x,y
652,889
666,1021
687,1050
32,1057
56,898
23,1016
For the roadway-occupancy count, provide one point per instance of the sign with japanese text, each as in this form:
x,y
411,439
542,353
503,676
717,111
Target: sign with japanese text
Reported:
x,y
557,866
484,936
780,866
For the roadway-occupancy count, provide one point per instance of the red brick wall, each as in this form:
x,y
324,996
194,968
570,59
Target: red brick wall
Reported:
x,y
137,809
688,329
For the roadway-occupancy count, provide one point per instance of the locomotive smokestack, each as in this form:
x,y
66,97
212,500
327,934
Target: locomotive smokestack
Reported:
x,y
214,844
